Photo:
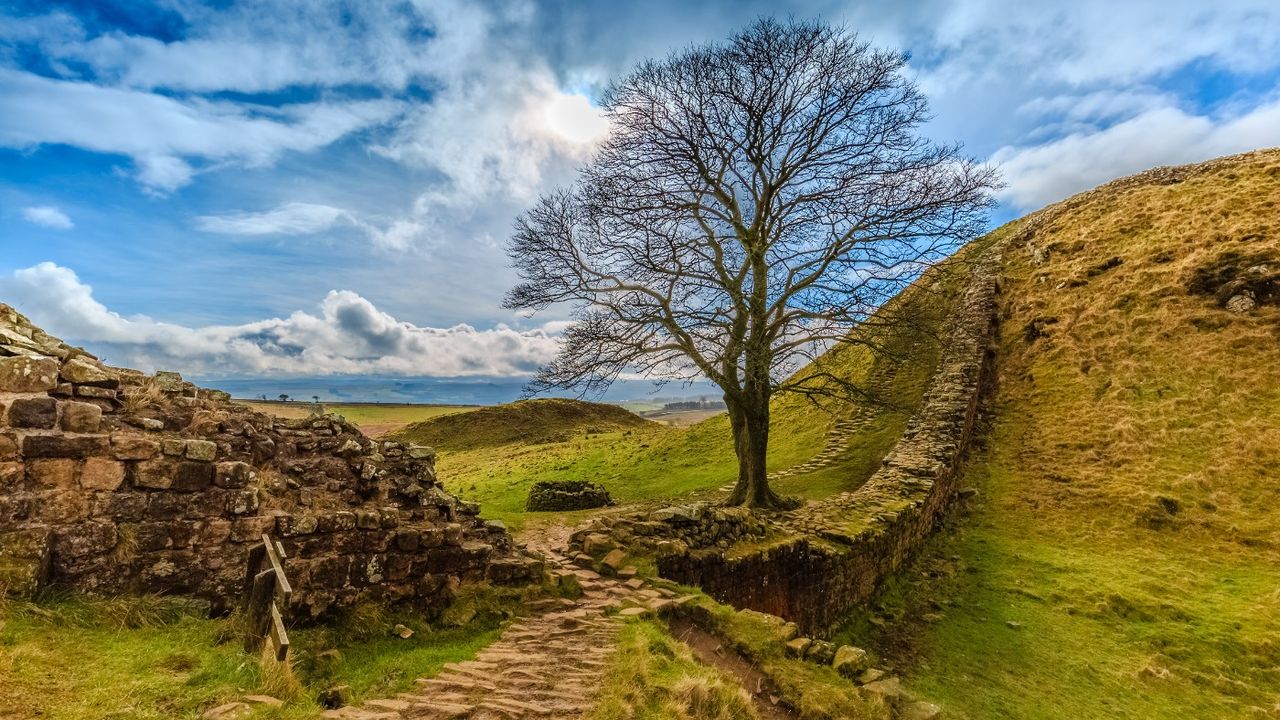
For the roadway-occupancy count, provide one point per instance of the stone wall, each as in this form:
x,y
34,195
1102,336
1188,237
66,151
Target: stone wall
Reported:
x,y
112,481
819,562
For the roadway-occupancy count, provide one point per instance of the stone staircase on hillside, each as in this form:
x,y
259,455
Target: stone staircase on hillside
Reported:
x,y
843,432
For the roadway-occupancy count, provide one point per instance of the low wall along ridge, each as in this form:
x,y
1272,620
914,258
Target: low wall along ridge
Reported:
x,y
832,555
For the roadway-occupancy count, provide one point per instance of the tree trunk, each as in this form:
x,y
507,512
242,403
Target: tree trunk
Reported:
x,y
749,419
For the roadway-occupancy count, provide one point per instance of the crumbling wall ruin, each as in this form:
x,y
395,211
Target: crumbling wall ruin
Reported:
x,y
112,481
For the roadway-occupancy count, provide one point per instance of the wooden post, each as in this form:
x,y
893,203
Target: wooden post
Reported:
x,y
266,588
259,610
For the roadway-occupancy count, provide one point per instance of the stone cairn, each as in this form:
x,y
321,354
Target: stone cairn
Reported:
x,y
112,481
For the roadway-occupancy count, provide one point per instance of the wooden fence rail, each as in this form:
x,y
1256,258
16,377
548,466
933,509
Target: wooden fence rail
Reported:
x,y
266,590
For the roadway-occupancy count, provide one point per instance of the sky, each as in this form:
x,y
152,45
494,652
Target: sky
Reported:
x,y
323,189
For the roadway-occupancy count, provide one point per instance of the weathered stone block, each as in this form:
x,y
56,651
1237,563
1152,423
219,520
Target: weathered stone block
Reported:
x,y
24,561
367,569
453,534
430,537
119,506
407,540
166,505
8,446
243,502
174,447
333,572
168,381
192,476
82,371
39,413
62,506
128,446
613,562
163,535
93,392
59,473
389,517
850,661
24,373
81,417
61,446
291,525
250,529
155,474
11,475
201,450
232,474
99,473
85,539
15,507
368,520
213,532
797,647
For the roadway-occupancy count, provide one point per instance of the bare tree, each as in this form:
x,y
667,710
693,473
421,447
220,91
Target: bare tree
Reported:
x,y
753,203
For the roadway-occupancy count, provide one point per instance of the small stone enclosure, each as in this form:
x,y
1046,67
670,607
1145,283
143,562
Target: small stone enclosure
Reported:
x,y
112,481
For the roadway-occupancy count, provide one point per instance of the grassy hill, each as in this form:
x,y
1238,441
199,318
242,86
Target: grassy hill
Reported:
x,y
494,455
1122,557
542,420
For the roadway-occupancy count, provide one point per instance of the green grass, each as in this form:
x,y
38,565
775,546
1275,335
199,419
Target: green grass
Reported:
x,y
1142,396
652,463
541,420
816,692
75,657
655,677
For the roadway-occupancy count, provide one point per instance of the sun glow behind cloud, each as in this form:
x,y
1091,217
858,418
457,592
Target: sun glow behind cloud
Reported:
x,y
572,117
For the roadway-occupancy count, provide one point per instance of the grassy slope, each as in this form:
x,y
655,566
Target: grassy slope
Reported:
x,y
655,677
1140,391
651,462
148,658
530,421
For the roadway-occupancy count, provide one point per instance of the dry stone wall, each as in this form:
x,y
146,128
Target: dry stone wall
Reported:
x,y
112,481
813,565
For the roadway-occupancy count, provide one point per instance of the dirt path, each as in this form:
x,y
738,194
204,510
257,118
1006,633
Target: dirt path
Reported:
x,y
378,429
546,665
710,651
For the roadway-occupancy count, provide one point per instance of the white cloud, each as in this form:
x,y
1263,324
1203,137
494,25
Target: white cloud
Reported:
x,y
48,216
1089,41
299,218
348,335
159,131
296,218
1041,174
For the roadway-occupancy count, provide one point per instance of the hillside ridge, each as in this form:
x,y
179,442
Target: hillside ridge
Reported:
x,y
537,420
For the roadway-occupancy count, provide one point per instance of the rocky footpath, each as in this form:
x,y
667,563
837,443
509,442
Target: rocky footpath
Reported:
x,y
548,664
114,481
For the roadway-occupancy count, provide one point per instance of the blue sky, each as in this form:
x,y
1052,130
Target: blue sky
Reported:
x,y
280,188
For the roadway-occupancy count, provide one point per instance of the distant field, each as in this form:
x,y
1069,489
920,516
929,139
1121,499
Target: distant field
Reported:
x,y
679,418
373,418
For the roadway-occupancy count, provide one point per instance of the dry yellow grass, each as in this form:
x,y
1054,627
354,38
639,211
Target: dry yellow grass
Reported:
x,y
1123,557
